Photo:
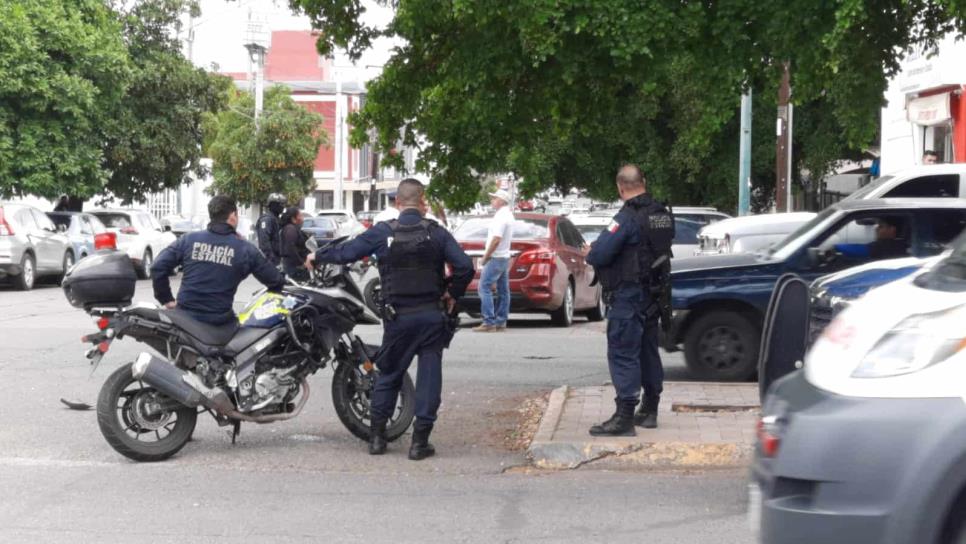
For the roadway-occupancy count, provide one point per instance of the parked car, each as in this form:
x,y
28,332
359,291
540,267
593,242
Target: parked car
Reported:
x,y
31,246
179,225
139,234
719,301
829,295
85,231
591,225
925,181
705,215
345,219
548,272
748,233
321,229
867,443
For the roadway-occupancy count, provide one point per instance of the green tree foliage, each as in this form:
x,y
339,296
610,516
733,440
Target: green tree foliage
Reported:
x,y
154,138
560,92
279,157
63,72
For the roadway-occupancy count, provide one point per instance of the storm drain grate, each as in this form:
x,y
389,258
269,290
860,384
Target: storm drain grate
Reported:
x,y
713,408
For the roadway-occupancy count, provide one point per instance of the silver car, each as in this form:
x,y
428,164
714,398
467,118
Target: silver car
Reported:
x,y
31,246
82,229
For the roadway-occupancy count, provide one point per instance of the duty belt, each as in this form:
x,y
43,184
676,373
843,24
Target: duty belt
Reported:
x,y
390,312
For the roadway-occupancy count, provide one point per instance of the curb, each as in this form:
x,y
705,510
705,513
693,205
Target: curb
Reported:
x,y
546,453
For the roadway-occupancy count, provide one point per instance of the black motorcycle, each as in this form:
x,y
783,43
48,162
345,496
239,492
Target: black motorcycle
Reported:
x,y
251,371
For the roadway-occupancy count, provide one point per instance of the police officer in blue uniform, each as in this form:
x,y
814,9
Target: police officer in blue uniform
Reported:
x,y
268,230
418,300
628,257
215,261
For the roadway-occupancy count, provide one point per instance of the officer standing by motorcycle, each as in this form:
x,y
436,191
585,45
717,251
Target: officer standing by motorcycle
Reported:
x,y
268,230
632,262
418,308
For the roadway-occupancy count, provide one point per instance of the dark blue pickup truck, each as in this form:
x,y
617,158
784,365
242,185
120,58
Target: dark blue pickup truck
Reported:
x,y
719,301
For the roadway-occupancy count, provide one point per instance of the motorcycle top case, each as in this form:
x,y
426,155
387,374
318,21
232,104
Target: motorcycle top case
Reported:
x,y
106,278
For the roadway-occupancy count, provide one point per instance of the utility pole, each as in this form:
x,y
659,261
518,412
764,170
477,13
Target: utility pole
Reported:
x,y
256,42
339,185
783,145
744,156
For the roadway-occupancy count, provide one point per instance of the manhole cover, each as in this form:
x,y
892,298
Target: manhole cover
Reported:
x,y
714,408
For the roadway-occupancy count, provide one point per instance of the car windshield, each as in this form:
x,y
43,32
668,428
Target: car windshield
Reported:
x,y
783,249
686,231
114,220
523,229
319,223
590,232
337,217
872,186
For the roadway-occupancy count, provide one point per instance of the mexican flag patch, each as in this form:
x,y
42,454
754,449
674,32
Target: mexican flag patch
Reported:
x,y
612,228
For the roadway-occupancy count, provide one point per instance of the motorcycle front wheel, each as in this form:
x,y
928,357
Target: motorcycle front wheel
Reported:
x,y
137,421
352,393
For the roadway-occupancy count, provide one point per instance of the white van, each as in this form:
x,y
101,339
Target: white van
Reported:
x,y
925,181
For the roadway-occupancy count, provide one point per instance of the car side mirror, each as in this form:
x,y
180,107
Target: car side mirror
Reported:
x,y
61,228
166,228
815,256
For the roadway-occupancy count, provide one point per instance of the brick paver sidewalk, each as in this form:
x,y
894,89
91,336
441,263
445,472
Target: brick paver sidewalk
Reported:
x,y
699,424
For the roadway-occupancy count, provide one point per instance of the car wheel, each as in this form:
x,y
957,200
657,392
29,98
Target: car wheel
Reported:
x,y
598,312
564,316
28,273
68,263
722,346
144,271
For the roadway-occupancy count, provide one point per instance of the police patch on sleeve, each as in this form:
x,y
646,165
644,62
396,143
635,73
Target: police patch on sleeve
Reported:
x,y
613,227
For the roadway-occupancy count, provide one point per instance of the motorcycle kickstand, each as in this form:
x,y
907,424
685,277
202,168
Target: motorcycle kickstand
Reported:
x,y
235,430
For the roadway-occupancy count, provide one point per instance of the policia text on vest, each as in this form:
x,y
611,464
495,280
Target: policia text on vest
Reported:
x,y
412,253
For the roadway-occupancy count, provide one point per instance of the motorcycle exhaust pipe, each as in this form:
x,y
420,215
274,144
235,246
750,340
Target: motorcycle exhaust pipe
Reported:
x,y
180,385
188,389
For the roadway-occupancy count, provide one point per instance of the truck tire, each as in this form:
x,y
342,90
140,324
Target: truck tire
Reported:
x,y
722,346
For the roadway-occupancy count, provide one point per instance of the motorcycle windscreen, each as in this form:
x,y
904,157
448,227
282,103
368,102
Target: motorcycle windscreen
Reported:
x,y
784,338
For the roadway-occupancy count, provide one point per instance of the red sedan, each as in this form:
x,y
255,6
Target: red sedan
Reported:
x,y
548,272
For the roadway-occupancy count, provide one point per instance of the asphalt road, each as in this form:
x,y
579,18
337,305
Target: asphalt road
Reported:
x,y
309,480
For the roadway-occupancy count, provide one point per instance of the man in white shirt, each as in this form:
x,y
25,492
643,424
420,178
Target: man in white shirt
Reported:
x,y
496,266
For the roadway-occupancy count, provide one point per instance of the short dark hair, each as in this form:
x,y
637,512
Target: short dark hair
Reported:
x,y
930,152
409,192
220,207
890,221
630,176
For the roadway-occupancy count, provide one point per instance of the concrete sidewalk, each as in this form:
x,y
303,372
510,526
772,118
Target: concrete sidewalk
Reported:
x,y
699,425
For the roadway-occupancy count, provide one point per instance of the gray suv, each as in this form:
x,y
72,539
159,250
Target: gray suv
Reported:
x,y
31,246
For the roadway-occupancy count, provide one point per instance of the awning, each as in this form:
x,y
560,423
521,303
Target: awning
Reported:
x,y
929,110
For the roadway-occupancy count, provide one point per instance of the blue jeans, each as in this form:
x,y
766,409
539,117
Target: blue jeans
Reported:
x,y
496,271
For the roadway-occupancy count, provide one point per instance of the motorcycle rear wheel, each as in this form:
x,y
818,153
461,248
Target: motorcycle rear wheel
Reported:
x,y
351,399
132,427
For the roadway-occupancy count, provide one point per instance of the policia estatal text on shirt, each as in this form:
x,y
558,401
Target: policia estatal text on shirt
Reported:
x,y
412,252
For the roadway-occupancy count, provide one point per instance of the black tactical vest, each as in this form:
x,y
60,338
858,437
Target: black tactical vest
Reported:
x,y
414,267
643,263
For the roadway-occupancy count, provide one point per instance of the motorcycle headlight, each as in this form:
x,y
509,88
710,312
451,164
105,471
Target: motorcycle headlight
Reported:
x,y
917,342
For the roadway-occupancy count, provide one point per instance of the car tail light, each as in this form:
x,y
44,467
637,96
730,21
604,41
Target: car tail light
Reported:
x,y
5,229
536,257
103,323
129,230
769,433
105,240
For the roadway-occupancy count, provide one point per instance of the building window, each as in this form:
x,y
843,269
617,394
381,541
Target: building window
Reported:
x,y
939,138
325,200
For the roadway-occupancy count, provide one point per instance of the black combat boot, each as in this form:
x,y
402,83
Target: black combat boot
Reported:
x,y
421,448
620,424
646,415
377,437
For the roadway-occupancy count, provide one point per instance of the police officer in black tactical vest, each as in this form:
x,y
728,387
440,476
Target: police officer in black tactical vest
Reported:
x,y
632,261
418,300
268,231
